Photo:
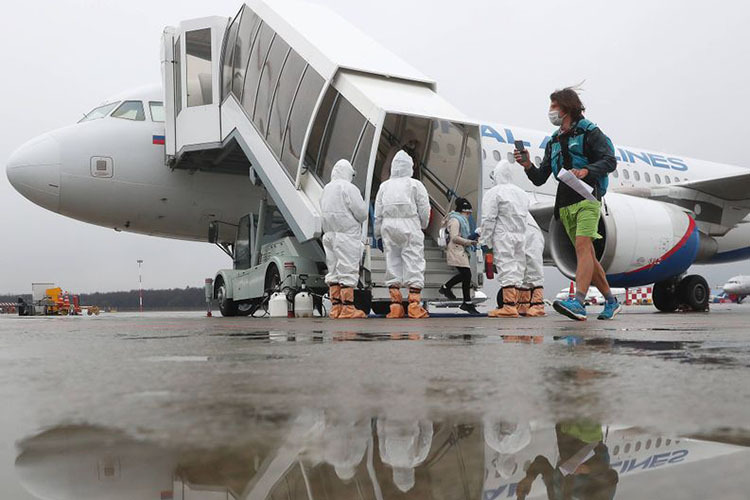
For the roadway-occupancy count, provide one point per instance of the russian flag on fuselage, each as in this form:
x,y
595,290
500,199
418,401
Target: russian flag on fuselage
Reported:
x,y
158,139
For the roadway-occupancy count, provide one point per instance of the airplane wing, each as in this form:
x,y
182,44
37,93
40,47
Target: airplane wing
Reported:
x,y
717,205
734,189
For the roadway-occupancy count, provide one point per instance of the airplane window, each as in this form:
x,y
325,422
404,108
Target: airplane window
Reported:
x,y
667,179
638,446
648,444
677,179
511,158
615,174
626,174
451,150
627,448
657,177
667,442
616,450
99,112
130,110
496,155
537,160
658,443
484,154
157,111
647,176
636,175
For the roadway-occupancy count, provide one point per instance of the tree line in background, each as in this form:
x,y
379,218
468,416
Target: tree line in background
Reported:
x,y
173,299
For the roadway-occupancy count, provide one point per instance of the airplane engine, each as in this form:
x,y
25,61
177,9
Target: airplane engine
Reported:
x,y
644,242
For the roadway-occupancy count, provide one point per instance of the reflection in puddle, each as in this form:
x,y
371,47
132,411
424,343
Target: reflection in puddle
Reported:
x,y
317,454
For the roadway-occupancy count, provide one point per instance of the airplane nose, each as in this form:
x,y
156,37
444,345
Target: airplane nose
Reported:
x,y
34,171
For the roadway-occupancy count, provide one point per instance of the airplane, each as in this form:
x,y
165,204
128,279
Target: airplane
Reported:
x,y
162,160
737,288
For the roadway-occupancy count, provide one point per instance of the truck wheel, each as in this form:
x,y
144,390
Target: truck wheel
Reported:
x,y
273,279
227,306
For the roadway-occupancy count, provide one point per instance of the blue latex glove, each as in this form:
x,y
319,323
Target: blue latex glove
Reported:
x,y
473,236
380,244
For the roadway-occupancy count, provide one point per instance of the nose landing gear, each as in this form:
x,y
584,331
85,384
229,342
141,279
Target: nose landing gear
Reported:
x,y
691,292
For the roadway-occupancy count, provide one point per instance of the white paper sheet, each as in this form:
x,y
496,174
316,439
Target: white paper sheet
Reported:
x,y
577,184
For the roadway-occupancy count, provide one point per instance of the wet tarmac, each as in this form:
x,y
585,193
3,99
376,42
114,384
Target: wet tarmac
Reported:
x,y
178,406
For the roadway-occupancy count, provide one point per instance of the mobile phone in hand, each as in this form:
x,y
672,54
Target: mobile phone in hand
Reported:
x,y
520,146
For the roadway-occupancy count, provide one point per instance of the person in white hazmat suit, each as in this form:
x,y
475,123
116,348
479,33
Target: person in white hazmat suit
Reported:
x,y
505,212
531,292
404,445
345,445
402,212
344,211
506,440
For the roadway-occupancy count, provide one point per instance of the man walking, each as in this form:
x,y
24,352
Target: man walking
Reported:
x,y
581,147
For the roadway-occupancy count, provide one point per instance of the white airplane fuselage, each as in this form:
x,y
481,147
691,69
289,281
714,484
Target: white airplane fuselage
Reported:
x,y
141,194
738,286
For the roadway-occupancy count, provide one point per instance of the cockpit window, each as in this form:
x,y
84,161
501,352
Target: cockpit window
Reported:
x,y
157,111
130,110
99,112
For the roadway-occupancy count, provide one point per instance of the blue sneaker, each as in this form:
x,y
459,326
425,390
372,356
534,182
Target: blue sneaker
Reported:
x,y
570,308
611,309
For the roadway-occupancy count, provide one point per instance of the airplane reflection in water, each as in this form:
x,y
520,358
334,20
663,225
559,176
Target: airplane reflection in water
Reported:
x,y
318,455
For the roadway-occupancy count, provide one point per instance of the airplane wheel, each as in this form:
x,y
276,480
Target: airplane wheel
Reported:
x,y
694,292
226,305
664,296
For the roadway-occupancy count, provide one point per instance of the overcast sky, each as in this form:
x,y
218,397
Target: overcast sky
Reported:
x,y
669,75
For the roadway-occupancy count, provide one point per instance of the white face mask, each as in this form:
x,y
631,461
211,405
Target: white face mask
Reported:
x,y
555,118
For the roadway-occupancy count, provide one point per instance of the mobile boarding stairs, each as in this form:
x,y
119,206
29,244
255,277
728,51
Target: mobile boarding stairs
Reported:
x,y
281,92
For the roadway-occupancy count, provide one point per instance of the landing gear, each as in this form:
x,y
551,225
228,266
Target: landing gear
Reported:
x,y
694,292
691,292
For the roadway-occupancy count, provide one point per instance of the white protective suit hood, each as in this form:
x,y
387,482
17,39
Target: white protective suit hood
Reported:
x,y
505,437
343,171
505,213
402,166
404,446
503,173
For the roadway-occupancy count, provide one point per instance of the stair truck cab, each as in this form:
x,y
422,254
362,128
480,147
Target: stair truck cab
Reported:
x,y
281,92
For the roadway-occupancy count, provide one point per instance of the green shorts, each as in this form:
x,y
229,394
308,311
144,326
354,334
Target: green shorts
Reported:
x,y
581,219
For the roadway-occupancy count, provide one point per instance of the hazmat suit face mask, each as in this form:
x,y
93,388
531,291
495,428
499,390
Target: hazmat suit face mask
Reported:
x,y
555,117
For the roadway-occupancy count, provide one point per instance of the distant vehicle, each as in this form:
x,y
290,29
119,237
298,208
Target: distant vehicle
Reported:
x,y
594,296
737,288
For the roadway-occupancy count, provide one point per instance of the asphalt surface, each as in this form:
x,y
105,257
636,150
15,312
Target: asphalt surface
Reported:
x,y
283,408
